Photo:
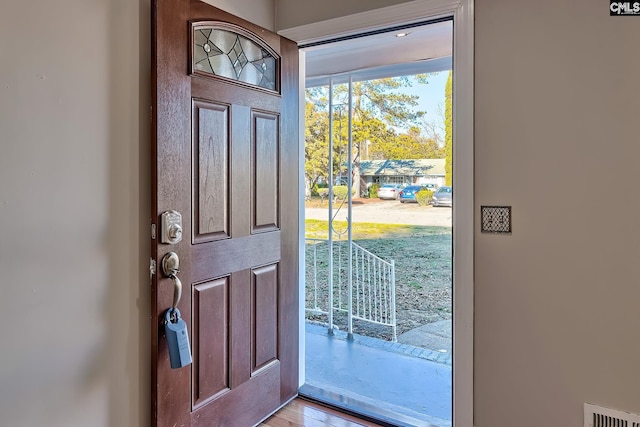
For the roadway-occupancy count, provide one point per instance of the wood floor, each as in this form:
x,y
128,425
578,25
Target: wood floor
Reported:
x,y
302,413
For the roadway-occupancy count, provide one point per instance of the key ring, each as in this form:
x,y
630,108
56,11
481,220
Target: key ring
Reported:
x,y
171,316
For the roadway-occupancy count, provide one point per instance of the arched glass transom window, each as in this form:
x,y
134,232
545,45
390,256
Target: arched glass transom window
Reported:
x,y
225,53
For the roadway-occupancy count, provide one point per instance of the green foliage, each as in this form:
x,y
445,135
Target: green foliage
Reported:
x,y
379,99
316,163
424,196
340,191
448,126
380,113
378,108
323,193
409,145
373,191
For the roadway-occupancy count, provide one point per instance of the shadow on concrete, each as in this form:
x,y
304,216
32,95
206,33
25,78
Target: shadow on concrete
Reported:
x,y
394,383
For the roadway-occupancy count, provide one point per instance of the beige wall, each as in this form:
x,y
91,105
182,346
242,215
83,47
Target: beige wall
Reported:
x,y
259,12
556,137
74,196
293,13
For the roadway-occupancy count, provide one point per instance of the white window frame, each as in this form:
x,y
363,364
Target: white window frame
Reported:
x,y
463,172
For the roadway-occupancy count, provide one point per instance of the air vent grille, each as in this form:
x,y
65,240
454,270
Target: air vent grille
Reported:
x,y
598,416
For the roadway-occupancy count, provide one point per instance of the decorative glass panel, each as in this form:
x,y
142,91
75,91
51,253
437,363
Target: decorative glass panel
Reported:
x,y
228,54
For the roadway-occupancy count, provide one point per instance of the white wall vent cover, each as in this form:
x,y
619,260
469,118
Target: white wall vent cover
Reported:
x,y
597,416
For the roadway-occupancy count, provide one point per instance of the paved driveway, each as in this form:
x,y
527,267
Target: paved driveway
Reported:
x,y
389,211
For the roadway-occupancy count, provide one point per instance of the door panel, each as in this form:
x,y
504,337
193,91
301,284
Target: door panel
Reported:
x,y
223,152
210,340
210,171
265,318
238,408
265,171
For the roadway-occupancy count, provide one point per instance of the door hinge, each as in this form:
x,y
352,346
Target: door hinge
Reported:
x,y
153,232
152,267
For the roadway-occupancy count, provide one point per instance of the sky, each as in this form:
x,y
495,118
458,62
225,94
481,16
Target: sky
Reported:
x,y
431,96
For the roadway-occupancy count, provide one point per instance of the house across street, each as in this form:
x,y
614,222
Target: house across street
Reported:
x,y
406,172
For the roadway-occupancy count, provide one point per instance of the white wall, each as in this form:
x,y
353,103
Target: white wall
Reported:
x,y
74,197
557,319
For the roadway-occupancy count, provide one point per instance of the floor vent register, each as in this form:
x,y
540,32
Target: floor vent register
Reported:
x,y
598,416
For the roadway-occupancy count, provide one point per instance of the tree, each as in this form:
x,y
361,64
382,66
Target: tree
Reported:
x,y
378,108
433,128
448,126
316,147
317,137
385,125
409,145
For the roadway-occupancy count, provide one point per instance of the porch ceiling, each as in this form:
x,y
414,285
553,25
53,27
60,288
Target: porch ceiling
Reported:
x,y
425,49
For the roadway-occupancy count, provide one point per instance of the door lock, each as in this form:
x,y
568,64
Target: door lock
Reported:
x,y
170,227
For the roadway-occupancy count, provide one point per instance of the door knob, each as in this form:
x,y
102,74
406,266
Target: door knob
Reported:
x,y
170,268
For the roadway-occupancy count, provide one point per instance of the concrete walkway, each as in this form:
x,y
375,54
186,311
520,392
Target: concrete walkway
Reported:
x,y
398,381
436,336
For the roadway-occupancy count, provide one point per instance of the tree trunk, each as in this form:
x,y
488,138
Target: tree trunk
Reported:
x,y
356,180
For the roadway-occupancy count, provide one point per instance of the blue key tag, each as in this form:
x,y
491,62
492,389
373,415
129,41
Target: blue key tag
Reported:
x,y
177,339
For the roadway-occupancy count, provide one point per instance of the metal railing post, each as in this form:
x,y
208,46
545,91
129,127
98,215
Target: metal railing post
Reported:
x,y
330,231
349,215
393,300
315,276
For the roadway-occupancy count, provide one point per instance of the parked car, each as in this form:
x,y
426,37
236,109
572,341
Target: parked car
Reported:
x,y
408,194
389,191
443,197
341,180
431,186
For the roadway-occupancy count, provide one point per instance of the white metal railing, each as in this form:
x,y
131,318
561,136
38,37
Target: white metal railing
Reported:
x,y
372,283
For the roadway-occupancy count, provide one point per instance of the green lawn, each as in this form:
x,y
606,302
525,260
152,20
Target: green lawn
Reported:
x,y
318,229
423,265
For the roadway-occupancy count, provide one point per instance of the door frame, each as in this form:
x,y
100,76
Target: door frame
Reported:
x,y
462,12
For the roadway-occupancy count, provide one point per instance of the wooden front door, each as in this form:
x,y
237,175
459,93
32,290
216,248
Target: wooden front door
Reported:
x,y
225,156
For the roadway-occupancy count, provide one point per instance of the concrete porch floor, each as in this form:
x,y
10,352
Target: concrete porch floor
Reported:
x,y
398,383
